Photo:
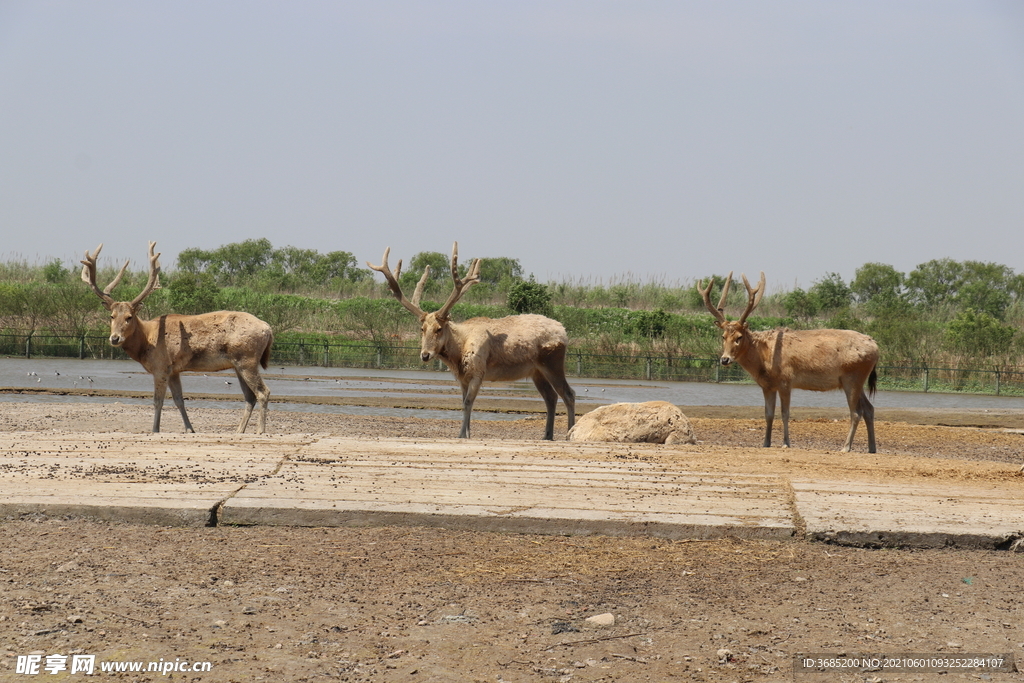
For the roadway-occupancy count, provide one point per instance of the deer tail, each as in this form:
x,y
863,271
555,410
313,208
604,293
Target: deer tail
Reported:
x,y
872,382
265,358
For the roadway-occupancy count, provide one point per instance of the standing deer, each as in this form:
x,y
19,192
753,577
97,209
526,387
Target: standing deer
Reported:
x,y
782,360
172,344
496,350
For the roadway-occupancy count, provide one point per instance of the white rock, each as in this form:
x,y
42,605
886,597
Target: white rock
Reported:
x,y
649,422
606,619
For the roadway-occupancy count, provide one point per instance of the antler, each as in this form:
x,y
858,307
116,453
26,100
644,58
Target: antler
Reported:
x,y
461,285
753,296
396,289
154,276
719,312
89,276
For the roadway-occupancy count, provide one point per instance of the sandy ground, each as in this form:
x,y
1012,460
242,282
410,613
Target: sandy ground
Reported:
x,y
413,604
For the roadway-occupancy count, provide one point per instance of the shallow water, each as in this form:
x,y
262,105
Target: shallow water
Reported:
x,y
316,381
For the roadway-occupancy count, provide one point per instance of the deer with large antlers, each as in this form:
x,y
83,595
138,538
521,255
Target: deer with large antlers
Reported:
x,y
172,344
782,360
491,349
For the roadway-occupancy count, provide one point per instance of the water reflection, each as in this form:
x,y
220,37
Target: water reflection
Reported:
x,y
64,374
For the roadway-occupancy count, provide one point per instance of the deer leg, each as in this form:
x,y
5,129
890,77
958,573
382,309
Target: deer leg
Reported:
x,y
469,391
250,401
867,411
784,395
860,407
174,381
159,391
569,399
550,397
769,415
255,390
555,375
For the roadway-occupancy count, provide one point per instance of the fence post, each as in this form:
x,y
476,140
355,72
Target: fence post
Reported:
x,y
28,345
997,382
647,371
81,347
380,358
718,370
327,355
926,378
579,363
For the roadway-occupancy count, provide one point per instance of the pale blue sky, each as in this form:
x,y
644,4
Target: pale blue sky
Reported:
x,y
592,140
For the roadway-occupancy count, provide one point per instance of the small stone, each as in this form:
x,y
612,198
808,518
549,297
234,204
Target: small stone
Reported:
x,y
75,618
220,623
606,619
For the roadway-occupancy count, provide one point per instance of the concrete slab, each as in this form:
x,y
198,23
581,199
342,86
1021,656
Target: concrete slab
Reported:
x,y
535,487
176,480
347,482
928,515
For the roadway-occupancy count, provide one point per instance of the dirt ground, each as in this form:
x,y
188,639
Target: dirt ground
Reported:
x,y
418,604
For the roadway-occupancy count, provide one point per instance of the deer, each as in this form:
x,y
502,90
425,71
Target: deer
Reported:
x,y
172,344
489,349
782,360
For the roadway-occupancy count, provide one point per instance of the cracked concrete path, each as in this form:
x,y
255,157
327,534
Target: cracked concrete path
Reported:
x,y
504,486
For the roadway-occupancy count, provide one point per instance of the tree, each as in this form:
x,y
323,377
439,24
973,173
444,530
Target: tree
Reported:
x,y
977,333
987,288
830,293
529,296
193,293
379,321
935,283
799,304
231,263
963,285
649,324
54,272
879,287
500,269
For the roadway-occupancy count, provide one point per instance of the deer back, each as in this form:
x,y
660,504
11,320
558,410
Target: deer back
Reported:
x,y
809,359
506,349
207,342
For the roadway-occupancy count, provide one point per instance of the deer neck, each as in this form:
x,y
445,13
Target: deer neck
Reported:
x,y
142,339
451,350
760,354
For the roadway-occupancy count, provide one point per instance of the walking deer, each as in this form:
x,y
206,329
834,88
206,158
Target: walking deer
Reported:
x,y
495,350
172,344
782,360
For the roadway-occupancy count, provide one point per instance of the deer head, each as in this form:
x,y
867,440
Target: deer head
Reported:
x,y
735,334
434,327
123,314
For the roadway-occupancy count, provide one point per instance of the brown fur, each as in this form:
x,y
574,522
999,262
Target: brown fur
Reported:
x,y
490,349
783,360
172,344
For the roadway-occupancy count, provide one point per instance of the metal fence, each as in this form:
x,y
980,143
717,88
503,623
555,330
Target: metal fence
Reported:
x,y
578,363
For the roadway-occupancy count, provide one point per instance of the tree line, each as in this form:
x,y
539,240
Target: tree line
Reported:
x,y
943,312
